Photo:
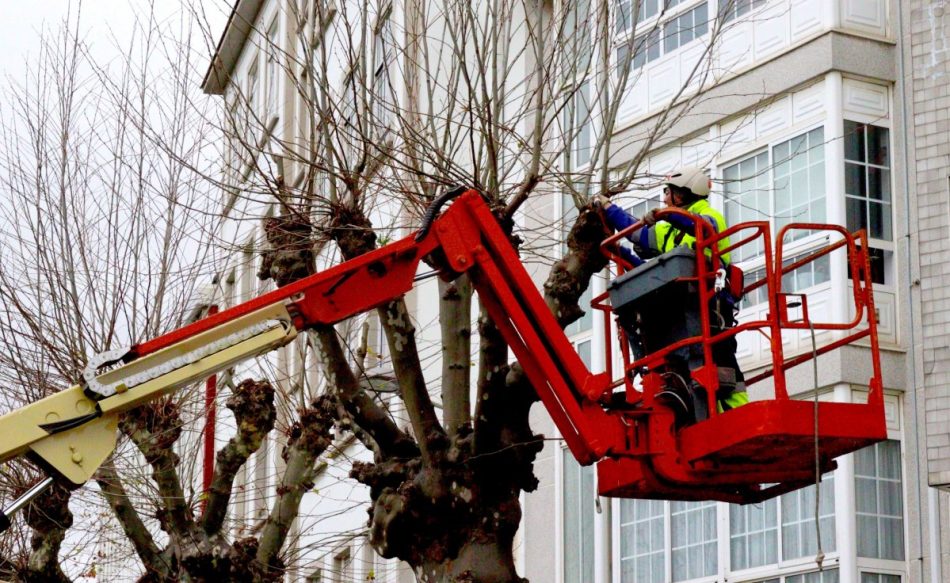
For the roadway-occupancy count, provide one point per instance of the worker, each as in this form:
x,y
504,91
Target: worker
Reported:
x,y
688,189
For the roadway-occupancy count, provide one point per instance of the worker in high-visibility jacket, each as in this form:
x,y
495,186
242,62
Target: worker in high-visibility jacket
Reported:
x,y
688,189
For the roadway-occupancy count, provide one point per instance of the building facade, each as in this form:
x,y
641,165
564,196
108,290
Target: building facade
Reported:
x,y
820,111
811,110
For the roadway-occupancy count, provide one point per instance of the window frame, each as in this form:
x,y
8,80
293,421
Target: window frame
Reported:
x,y
887,247
733,7
564,453
616,529
271,73
383,92
577,89
794,247
887,564
634,36
252,87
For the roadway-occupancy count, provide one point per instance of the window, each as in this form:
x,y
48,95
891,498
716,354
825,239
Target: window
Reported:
x,y
642,526
754,529
382,89
878,495
685,28
343,567
271,68
753,537
646,49
798,520
675,32
732,9
789,187
252,103
879,578
693,529
799,180
576,44
747,194
578,128
867,179
578,520
583,347
811,274
647,10
826,576
576,47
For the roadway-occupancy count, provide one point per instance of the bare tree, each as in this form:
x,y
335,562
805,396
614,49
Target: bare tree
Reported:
x,y
516,99
111,229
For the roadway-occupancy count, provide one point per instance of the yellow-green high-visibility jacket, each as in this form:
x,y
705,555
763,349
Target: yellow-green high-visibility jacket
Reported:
x,y
667,235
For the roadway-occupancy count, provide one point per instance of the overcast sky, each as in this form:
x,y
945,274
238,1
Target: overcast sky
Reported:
x,y
22,22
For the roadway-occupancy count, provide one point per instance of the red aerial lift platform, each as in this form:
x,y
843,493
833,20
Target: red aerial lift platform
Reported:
x,y
743,455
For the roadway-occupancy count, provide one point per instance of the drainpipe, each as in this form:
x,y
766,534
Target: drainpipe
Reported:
x,y
211,393
933,503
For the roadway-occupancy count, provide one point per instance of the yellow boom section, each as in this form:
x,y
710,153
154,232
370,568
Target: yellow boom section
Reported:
x,y
76,452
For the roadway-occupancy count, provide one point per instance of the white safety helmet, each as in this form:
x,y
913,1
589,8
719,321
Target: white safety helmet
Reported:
x,y
691,178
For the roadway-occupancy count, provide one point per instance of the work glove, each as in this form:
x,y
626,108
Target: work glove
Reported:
x,y
649,218
601,201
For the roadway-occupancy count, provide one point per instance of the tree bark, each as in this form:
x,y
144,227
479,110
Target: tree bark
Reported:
x,y
49,517
455,319
253,407
118,499
310,437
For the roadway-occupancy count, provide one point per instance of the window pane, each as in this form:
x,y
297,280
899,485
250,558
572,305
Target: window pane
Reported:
x,y
876,226
642,524
623,15
799,537
671,36
877,142
853,141
799,181
878,187
753,534
578,520
878,492
623,53
826,576
780,153
855,182
694,537
856,213
700,20
867,177
747,198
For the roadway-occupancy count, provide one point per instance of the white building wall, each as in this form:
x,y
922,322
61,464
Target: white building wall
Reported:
x,y
825,102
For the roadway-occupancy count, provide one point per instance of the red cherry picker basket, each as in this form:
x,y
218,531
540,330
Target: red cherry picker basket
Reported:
x,y
758,450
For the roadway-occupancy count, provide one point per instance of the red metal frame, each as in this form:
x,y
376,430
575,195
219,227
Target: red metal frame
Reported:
x,y
211,395
640,453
